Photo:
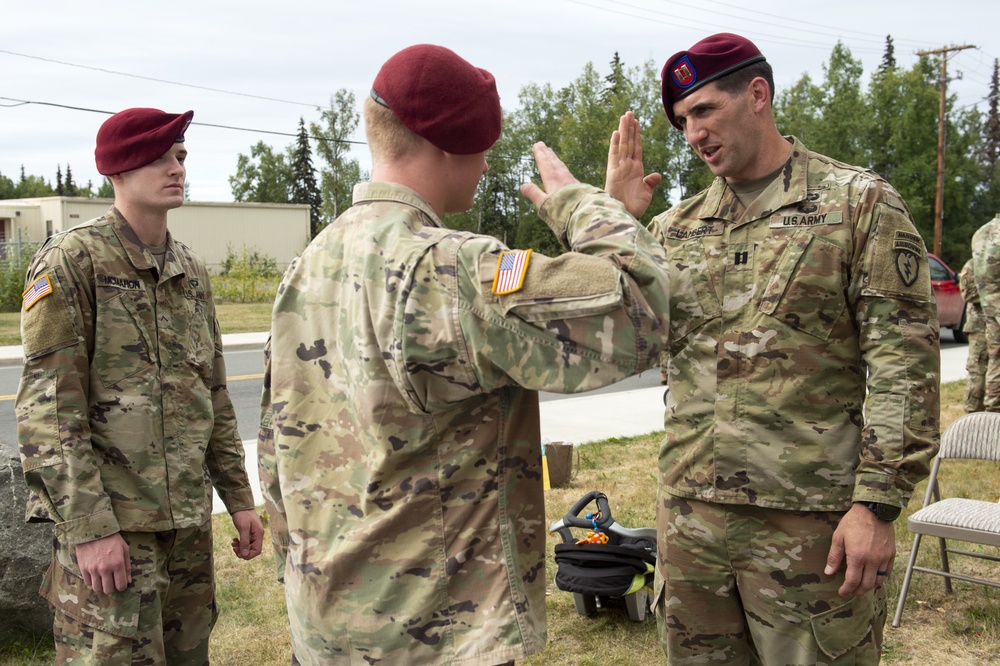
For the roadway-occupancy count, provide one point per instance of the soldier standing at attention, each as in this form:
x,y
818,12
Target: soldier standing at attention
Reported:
x,y
986,268
400,447
124,419
803,380
975,328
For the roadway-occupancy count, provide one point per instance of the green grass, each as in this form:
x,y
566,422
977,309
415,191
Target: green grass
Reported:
x,y
955,630
233,318
10,328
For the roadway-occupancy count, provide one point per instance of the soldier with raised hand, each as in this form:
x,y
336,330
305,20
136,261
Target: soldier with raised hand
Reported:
x,y
986,268
400,447
803,380
974,327
124,420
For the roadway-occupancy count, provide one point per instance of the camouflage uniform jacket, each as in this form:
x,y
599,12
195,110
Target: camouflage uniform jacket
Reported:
x,y
970,294
403,473
986,266
778,314
124,419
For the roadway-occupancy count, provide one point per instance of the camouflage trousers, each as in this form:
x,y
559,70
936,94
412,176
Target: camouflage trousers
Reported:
x,y
991,398
975,366
164,617
740,584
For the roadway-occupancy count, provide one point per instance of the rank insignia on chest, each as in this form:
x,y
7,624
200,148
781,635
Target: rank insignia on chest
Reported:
x,y
38,290
512,266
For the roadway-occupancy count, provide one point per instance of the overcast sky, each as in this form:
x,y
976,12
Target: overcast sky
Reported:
x,y
259,66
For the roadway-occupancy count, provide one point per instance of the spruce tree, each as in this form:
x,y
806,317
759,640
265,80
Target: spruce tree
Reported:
x,y
304,188
69,186
889,57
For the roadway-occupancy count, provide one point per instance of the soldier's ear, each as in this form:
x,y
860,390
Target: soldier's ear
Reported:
x,y
760,93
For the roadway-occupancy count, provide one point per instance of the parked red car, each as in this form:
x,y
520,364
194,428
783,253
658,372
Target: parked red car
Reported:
x,y
951,306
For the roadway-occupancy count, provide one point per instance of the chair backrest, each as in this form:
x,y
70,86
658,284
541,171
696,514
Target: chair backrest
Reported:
x,y
973,436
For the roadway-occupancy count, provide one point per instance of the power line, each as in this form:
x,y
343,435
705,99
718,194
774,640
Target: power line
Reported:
x,y
22,102
151,78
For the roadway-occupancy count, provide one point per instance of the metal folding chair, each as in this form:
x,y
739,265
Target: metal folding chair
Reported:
x,y
972,437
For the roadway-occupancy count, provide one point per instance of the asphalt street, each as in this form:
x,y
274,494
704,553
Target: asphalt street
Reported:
x,y
631,407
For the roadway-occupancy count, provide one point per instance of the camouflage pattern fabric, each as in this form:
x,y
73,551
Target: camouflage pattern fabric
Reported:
x,y
778,314
400,451
123,415
975,328
986,267
164,617
747,587
125,422
804,351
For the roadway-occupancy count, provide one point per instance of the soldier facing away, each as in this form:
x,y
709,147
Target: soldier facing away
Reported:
x,y
803,380
400,448
986,268
124,420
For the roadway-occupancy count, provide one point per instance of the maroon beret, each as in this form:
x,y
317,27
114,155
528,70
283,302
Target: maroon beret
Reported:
x,y
708,60
441,97
136,137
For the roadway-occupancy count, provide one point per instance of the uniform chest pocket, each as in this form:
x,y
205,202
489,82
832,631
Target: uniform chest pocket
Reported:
x,y
693,296
122,346
806,290
200,348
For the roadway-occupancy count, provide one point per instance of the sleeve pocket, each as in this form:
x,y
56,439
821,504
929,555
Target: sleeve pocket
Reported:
x,y
37,421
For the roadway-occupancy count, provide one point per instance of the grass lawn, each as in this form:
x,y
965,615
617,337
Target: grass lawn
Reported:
x,y
959,630
233,318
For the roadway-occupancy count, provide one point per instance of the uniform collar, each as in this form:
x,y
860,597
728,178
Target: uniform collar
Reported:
x,y
370,192
136,249
788,189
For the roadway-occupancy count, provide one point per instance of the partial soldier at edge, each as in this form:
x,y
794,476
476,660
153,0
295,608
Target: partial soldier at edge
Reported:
x,y
986,268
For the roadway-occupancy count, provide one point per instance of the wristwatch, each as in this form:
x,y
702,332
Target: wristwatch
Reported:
x,y
884,512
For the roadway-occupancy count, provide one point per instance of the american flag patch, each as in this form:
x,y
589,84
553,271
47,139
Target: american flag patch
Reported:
x,y
511,269
39,289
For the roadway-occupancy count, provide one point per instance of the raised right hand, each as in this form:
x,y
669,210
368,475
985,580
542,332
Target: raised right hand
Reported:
x,y
625,180
553,172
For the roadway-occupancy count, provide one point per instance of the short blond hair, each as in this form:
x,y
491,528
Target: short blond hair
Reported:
x,y
388,138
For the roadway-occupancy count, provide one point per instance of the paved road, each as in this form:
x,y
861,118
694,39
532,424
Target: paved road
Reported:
x,y
633,406
244,367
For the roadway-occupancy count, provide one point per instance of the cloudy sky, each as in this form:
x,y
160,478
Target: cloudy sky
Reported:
x,y
250,69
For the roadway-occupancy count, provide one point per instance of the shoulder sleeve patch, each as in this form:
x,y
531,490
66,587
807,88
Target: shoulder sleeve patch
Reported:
x,y
38,290
46,324
897,258
512,266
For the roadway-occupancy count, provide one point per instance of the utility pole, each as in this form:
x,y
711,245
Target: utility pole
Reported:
x,y
939,196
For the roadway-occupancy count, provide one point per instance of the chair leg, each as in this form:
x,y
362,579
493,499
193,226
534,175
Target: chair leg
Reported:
x,y
906,580
944,564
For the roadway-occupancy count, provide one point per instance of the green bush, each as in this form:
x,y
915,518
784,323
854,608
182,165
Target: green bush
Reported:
x,y
14,260
248,262
247,277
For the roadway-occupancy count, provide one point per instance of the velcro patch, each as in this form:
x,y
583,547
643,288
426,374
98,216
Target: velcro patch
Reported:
x,y
896,253
512,266
38,290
